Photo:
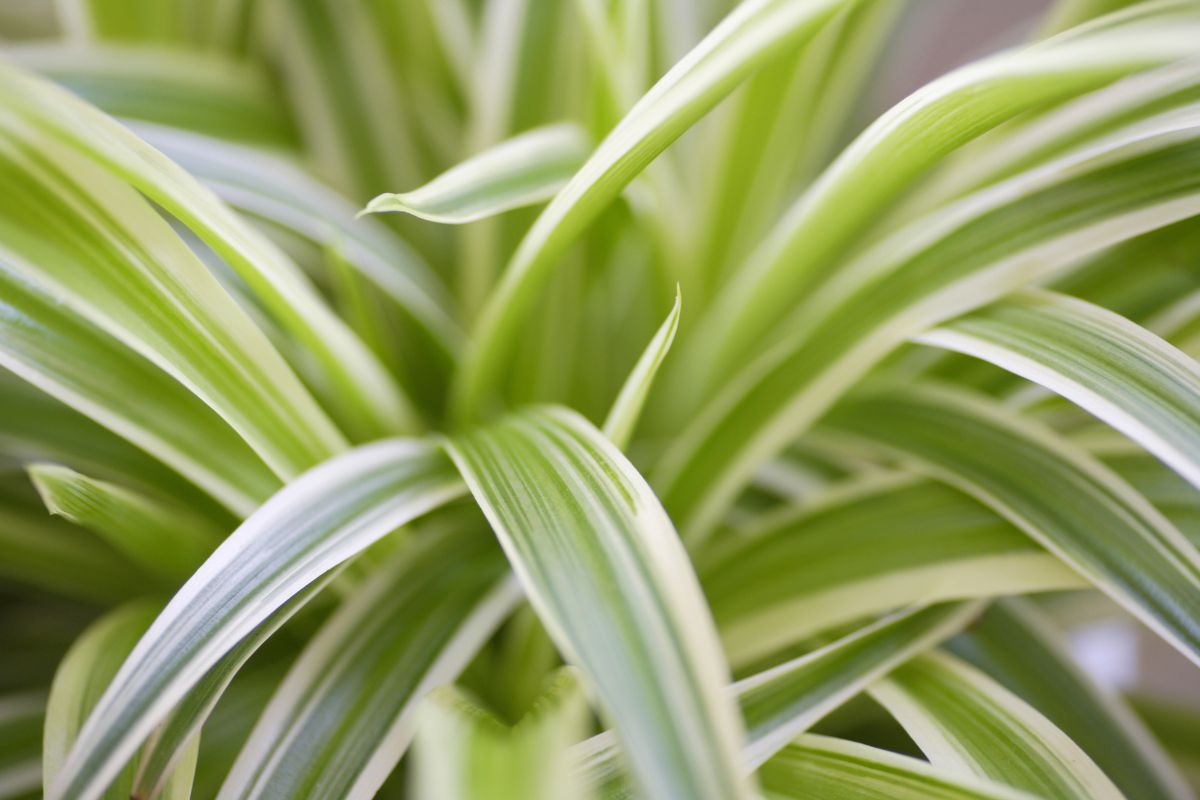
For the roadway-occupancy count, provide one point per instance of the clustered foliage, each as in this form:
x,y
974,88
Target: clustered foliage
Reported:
x,y
473,399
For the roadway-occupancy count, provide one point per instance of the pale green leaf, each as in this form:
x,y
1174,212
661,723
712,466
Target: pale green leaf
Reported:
x,y
273,188
788,699
49,120
963,720
463,752
82,677
605,571
1053,490
165,540
1107,365
954,260
1018,646
344,715
750,36
821,768
864,548
903,144
192,90
79,364
310,527
623,416
525,170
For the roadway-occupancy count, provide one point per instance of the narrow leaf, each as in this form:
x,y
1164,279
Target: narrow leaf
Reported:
x,y
1054,491
79,364
344,715
50,121
608,576
1015,644
82,677
821,768
864,548
525,170
750,36
961,719
623,416
314,524
165,540
1107,365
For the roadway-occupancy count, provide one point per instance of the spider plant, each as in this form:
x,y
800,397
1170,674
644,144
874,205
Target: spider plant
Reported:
x,y
542,399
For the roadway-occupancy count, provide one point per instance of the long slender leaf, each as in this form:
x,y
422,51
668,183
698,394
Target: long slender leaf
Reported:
x,y
166,541
957,259
87,369
49,120
1054,491
822,768
963,720
623,416
191,90
344,715
1107,365
907,141
606,573
749,37
788,699
314,524
113,260
82,677
273,188
867,548
525,170
1017,646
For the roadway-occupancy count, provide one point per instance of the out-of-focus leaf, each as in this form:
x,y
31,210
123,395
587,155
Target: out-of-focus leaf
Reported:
x,y
463,752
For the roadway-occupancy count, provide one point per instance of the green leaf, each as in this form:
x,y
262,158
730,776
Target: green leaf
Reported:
x,y
862,548
525,170
36,427
310,527
821,768
1105,364
37,550
788,699
187,89
99,248
962,720
749,37
463,752
623,416
270,187
165,540
952,261
609,578
896,150
344,715
58,127
82,677
66,356
338,79
1017,646
1053,490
